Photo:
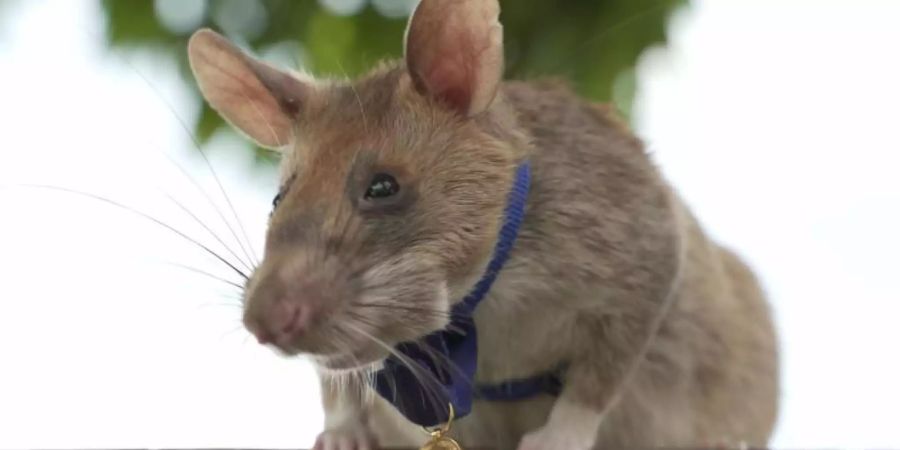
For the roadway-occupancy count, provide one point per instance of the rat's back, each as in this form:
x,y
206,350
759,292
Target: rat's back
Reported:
x,y
601,215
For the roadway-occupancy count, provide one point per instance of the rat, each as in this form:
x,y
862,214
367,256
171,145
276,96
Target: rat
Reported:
x,y
395,191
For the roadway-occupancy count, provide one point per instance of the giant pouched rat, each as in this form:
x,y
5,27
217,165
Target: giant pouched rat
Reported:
x,y
394,189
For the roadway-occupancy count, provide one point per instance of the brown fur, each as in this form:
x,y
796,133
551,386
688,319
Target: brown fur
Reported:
x,y
598,253
667,335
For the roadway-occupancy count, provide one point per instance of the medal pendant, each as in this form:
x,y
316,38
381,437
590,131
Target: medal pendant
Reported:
x,y
438,440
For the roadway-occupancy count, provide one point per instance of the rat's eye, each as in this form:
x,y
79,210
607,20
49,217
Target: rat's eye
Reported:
x,y
277,200
382,185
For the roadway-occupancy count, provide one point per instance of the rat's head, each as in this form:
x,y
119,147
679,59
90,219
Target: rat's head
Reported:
x,y
392,186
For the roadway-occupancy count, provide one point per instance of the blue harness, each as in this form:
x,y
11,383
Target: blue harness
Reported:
x,y
444,362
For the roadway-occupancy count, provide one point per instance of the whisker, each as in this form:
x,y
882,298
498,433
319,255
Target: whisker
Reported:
x,y
196,144
209,165
209,230
430,389
424,309
358,378
429,313
448,363
232,297
210,305
216,209
235,329
205,273
345,380
369,371
370,381
217,304
439,359
141,214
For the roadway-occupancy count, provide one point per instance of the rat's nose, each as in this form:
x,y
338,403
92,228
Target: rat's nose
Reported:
x,y
280,323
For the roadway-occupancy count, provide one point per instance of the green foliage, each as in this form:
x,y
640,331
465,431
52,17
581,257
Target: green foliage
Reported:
x,y
592,43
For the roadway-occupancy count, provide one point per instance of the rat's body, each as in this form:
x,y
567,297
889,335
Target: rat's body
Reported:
x,y
710,375
393,192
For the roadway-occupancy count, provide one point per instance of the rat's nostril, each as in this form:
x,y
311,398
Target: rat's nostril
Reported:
x,y
282,322
297,315
263,337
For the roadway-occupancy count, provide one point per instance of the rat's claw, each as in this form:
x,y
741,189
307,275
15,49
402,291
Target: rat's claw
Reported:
x,y
345,439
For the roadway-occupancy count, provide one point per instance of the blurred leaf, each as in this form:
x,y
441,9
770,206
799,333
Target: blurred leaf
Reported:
x,y
208,123
134,24
593,43
330,40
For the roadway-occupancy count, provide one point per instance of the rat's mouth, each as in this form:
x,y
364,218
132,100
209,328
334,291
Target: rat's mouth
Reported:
x,y
339,362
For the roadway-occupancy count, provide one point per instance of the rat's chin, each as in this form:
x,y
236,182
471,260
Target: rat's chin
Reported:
x,y
351,361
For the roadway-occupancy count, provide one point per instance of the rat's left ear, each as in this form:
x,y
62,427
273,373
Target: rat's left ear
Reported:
x,y
263,102
454,52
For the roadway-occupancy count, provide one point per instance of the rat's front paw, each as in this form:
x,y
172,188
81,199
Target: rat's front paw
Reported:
x,y
357,438
548,439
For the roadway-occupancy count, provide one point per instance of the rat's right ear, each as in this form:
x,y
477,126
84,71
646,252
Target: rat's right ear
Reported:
x,y
256,98
454,52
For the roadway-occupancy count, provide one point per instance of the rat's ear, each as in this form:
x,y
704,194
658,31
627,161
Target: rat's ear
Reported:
x,y
256,98
454,52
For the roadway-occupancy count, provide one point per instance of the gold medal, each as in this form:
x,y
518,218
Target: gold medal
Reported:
x,y
440,442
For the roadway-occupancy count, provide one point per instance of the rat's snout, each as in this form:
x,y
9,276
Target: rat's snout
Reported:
x,y
280,323
285,306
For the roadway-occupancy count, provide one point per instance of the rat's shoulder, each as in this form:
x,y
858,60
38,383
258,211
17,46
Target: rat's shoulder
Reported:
x,y
550,105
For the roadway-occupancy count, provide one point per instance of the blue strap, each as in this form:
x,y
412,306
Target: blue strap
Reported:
x,y
514,390
445,361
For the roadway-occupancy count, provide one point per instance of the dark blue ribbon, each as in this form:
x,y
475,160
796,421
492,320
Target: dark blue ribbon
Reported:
x,y
444,362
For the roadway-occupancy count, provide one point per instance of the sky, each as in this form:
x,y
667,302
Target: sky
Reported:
x,y
774,119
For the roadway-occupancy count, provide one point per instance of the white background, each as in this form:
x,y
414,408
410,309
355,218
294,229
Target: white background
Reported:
x,y
777,120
